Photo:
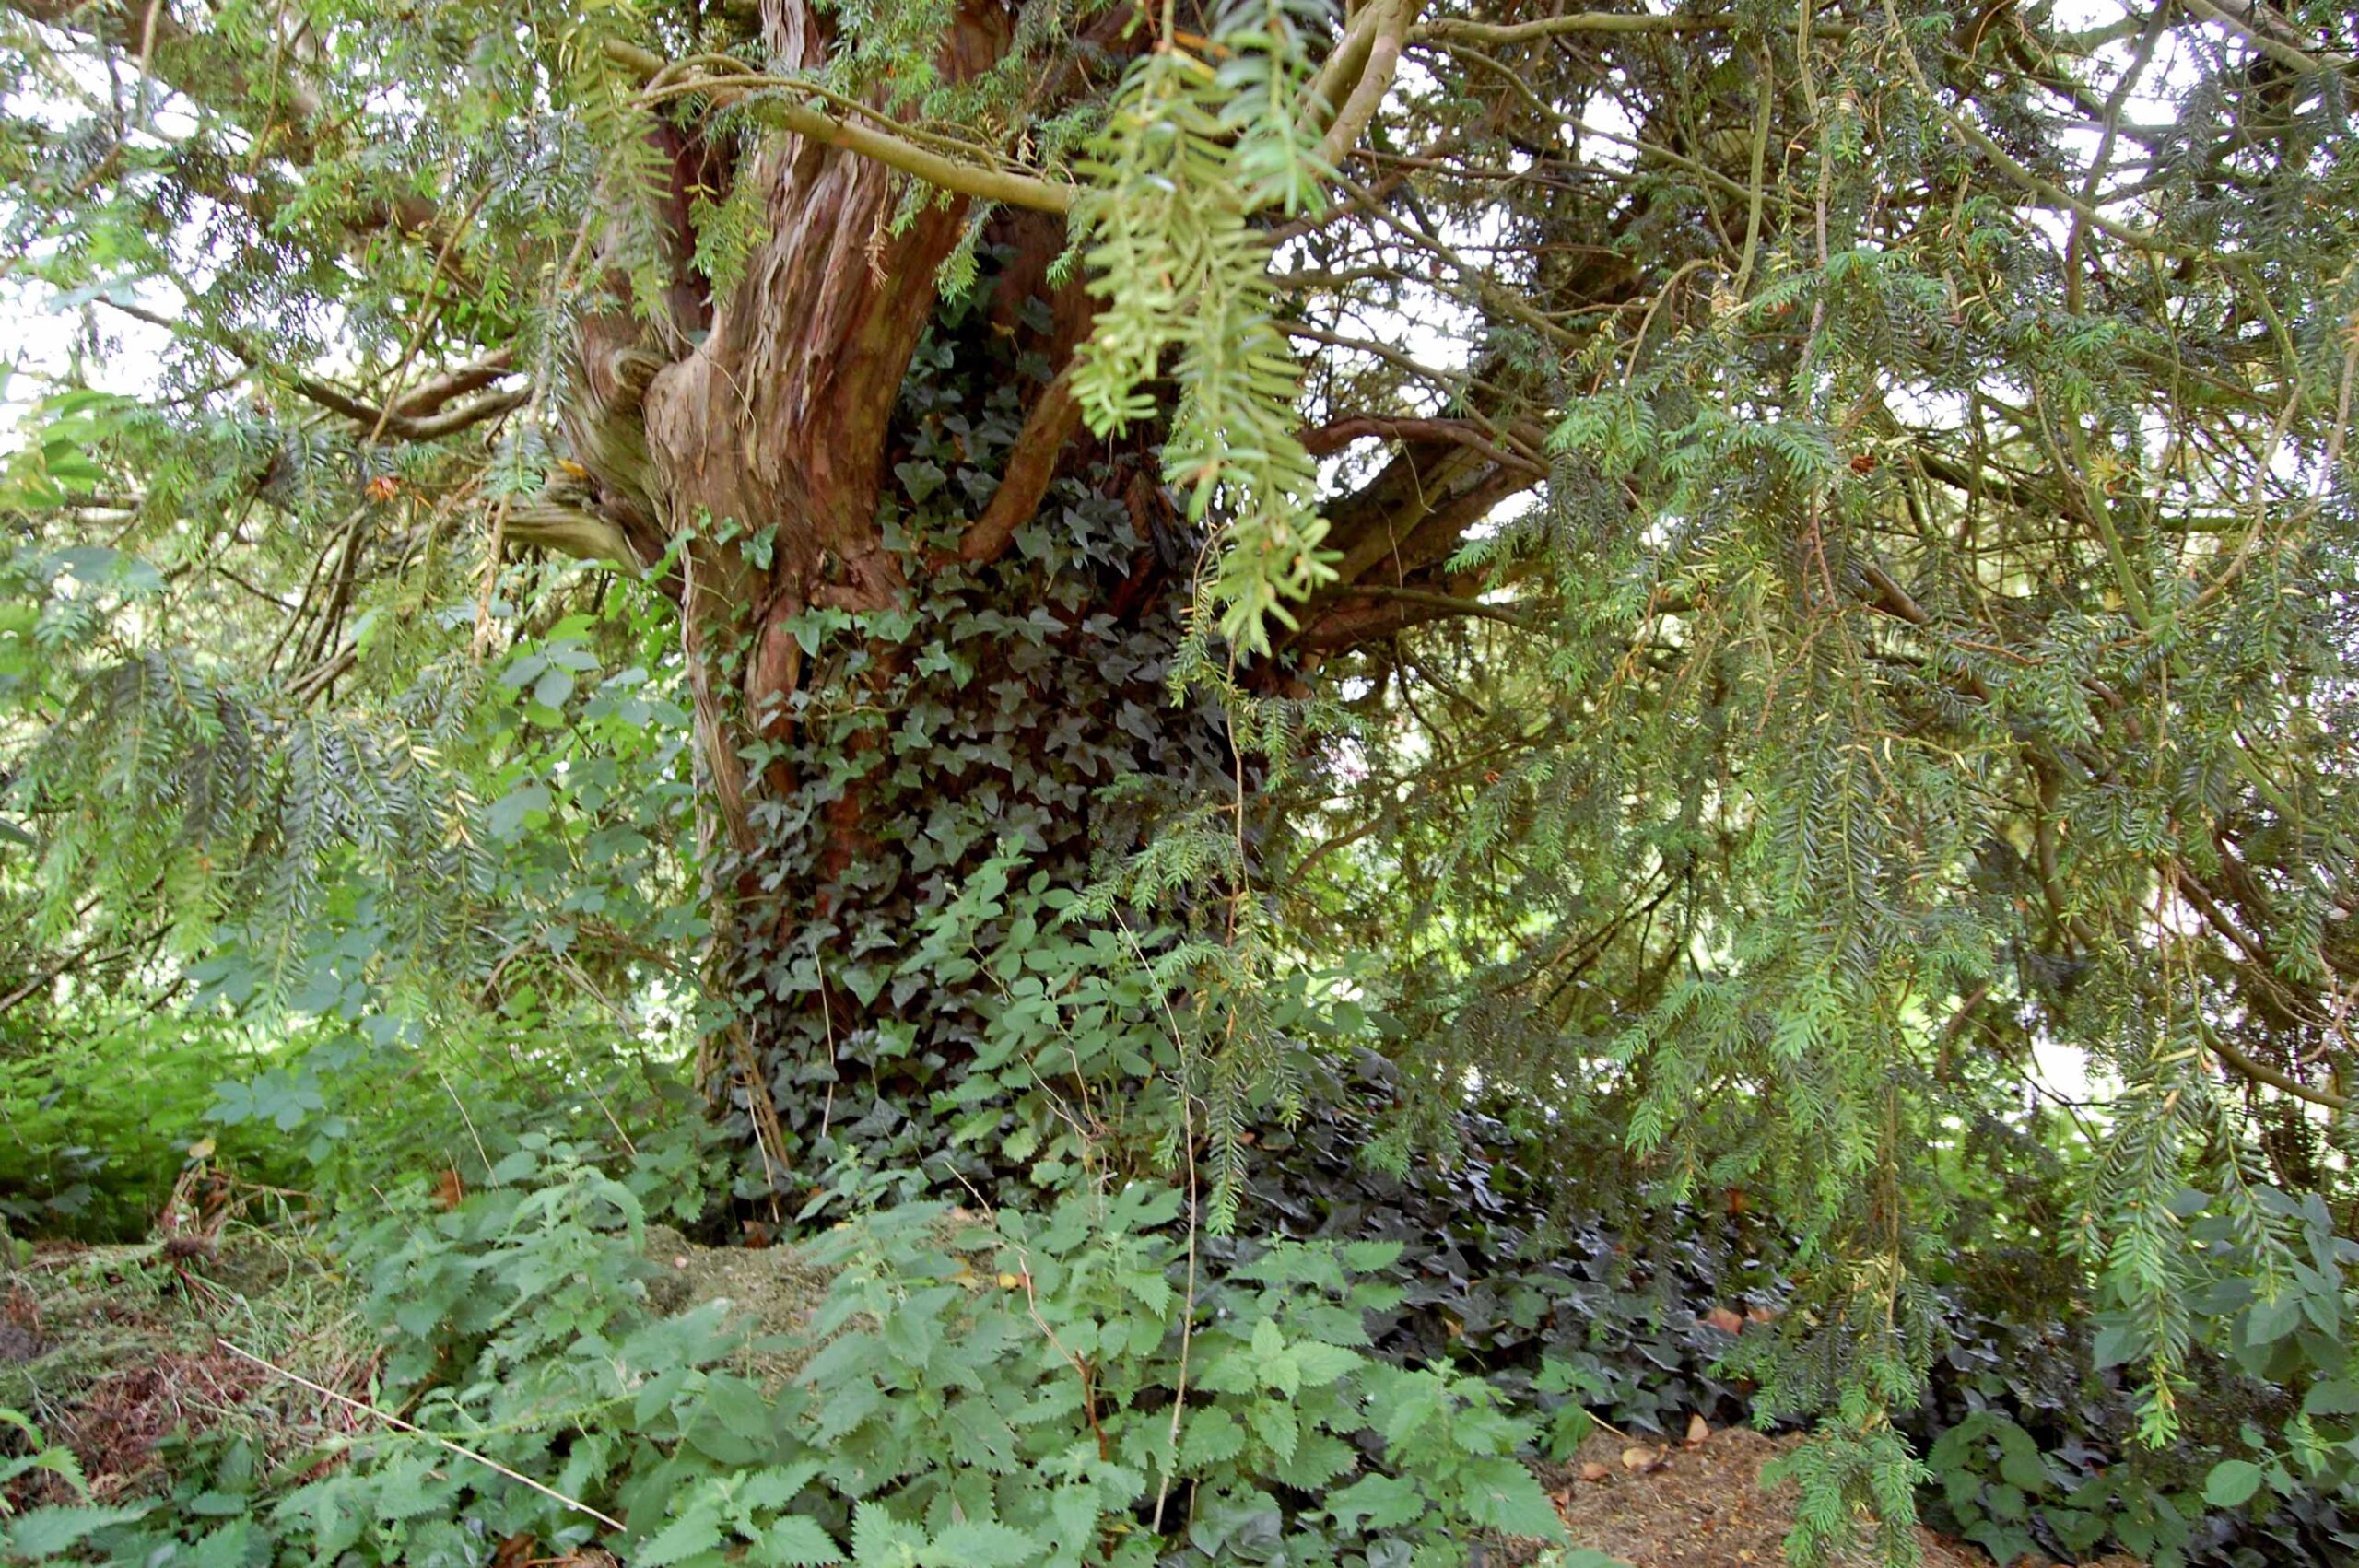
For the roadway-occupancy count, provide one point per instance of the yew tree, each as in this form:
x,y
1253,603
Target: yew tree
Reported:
x,y
1747,570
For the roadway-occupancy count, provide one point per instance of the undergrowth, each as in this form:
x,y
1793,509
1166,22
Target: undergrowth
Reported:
x,y
498,1358
473,1364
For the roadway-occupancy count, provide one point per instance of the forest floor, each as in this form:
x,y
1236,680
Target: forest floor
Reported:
x,y
1699,1504
122,1353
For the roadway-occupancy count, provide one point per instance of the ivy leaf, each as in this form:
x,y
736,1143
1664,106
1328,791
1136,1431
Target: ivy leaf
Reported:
x,y
919,479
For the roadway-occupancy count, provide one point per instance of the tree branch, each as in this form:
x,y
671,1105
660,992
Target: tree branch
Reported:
x,y
1003,187
2262,1072
1326,439
1492,35
2269,34
430,396
1386,23
334,398
156,41
1054,417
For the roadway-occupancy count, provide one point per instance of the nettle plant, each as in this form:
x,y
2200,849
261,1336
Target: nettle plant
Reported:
x,y
968,1390
1040,1390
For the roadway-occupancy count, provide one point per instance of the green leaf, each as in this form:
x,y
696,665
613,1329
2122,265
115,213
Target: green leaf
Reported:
x,y
2019,1461
1320,1364
2335,1397
2232,1483
1210,1437
506,818
231,1546
1502,1494
46,1532
796,1542
1377,1503
879,1540
2272,1320
981,1545
1275,1425
739,1407
697,1531
778,1486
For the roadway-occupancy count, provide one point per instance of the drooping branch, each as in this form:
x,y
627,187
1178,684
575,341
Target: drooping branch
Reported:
x,y
551,520
269,100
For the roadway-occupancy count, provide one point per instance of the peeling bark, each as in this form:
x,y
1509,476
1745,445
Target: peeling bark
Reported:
x,y
762,427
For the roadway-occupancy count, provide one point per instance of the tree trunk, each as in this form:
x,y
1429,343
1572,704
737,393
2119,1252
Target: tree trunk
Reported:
x,y
925,625
928,618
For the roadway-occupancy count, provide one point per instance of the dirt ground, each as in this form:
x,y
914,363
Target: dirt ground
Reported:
x,y
1699,1504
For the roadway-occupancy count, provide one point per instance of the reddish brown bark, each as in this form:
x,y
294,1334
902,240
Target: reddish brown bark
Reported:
x,y
762,424
774,424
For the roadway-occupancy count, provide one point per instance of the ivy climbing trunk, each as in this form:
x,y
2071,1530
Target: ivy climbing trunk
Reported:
x,y
925,625
929,619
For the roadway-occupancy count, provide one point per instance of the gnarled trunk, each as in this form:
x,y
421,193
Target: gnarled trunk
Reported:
x,y
925,625
928,618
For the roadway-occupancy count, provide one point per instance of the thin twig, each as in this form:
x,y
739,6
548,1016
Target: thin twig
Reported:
x,y
400,1426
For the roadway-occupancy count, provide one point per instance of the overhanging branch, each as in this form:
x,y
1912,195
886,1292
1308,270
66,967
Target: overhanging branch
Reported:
x,y
665,79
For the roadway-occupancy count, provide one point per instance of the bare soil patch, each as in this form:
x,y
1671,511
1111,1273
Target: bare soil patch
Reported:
x,y
1700,1504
